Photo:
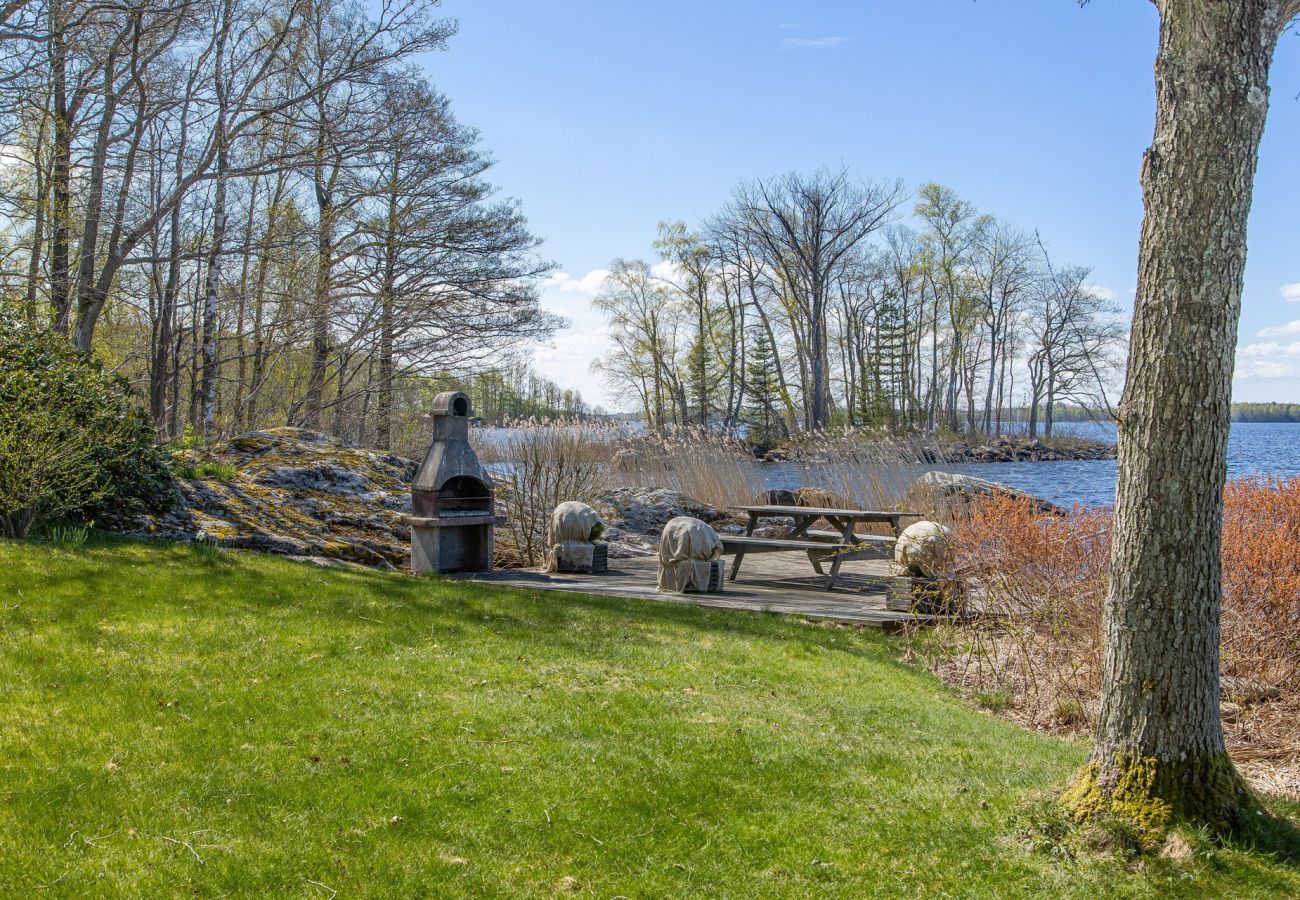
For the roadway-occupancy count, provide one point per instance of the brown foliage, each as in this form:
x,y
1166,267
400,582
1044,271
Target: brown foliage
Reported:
x,y
1035,586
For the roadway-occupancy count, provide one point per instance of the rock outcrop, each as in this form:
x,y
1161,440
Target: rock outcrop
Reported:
x,y
636,516
293,492
933,491
1021,450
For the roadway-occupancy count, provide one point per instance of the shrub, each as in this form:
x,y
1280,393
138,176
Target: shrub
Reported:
x,y
72,440
1036,585
538,467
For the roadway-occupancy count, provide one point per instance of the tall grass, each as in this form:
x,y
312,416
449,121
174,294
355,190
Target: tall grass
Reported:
x,y
537,465
868,471
702,465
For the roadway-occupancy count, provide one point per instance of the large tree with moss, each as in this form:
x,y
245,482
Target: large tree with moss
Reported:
x,y
1159,753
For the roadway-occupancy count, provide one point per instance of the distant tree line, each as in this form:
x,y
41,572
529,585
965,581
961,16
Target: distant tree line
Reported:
x,y
518,393
260,211
1266,412
1241,412
807,302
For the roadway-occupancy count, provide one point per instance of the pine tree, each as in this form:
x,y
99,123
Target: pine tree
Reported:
x,y
763,391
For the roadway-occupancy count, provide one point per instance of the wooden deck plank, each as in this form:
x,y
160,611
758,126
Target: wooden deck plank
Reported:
x,y
774,582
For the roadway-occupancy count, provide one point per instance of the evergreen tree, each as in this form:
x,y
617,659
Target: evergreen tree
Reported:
x,y
763,392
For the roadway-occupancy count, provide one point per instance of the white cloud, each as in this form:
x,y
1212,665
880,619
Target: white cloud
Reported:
x,y
831,40
1101,291
567,359
1291,292
565,283
1290,329
1267,369
1271,348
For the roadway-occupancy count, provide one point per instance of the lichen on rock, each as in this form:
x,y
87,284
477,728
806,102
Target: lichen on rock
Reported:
x,y
294,492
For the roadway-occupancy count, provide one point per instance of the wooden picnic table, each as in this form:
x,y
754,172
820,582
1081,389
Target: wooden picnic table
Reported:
x,y
841,544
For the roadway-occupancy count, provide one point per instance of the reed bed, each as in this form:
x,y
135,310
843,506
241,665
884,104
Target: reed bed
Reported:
x,y
1038,585
537,465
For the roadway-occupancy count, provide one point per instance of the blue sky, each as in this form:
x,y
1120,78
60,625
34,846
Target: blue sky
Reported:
x,y
607,117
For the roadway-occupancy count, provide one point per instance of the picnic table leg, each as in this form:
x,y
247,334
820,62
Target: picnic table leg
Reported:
x,y
815,558
835,570
735,565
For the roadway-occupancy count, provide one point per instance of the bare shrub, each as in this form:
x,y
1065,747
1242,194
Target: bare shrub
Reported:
x,y
535,467
1035,585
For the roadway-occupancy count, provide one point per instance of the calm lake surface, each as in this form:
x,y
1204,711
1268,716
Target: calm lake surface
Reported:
x,y
1253,449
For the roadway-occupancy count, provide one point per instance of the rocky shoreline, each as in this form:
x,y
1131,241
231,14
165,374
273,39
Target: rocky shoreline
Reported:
x,y
297,493
991,451
1007,450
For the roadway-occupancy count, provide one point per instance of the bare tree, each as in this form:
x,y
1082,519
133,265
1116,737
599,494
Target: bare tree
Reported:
x,y
806,228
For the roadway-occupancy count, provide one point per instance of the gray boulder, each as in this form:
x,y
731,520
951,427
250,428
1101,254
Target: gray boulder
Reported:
x,y
648,510
935,490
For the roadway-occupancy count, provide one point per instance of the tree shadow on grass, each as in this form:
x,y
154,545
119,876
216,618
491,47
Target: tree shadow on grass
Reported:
x,y
392,603
1270,831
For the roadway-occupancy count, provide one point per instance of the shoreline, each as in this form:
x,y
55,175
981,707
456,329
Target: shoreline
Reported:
x,y
998,450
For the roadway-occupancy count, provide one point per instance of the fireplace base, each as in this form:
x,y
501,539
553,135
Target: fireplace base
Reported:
x,y
452,543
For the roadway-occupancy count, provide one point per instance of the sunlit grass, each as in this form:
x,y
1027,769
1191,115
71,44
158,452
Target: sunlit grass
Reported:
x,y
251,726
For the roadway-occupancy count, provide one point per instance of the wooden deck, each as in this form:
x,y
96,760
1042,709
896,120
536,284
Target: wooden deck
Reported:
x,y
866,592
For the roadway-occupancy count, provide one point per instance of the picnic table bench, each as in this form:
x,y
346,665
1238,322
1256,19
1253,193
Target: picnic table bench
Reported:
x,y
840,545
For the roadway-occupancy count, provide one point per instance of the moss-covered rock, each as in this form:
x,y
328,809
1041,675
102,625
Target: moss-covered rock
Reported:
x,y
293,492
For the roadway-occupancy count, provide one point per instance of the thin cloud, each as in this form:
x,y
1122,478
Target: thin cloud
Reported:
x,y
1268,369
1291,292
820,43
1271,348
1289,329
588,284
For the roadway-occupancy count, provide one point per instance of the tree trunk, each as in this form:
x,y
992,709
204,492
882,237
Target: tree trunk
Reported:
x,y
212,292
61,175
159,367
1159,754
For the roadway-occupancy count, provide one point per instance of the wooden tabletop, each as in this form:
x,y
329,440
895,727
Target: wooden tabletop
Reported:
x,y
797,511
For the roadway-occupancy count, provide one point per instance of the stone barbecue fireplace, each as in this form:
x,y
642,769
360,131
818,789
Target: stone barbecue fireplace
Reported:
x,y
453,513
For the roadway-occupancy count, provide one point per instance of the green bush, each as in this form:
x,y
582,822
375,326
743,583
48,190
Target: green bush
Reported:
x,y
73,442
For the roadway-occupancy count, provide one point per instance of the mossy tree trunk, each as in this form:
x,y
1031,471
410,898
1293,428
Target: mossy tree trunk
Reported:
x,y
1159,751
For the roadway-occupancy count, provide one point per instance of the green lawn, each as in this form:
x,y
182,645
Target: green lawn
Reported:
x,y
256,726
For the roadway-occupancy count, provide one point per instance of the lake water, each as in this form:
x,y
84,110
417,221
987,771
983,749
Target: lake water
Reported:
x,y
1253,449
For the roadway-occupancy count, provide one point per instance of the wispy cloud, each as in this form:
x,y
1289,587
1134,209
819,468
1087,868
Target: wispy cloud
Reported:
x,y
1102,291
1271,348
589,284
1267,368
830,40
1271,359
1289,329
1291,292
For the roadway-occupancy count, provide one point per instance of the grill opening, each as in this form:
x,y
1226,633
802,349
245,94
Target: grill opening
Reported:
x,y
464,495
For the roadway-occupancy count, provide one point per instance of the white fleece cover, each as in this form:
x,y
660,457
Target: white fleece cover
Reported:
x,y
571,526
685,550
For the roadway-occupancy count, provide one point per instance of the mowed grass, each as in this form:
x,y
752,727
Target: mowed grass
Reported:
x,y
259,727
